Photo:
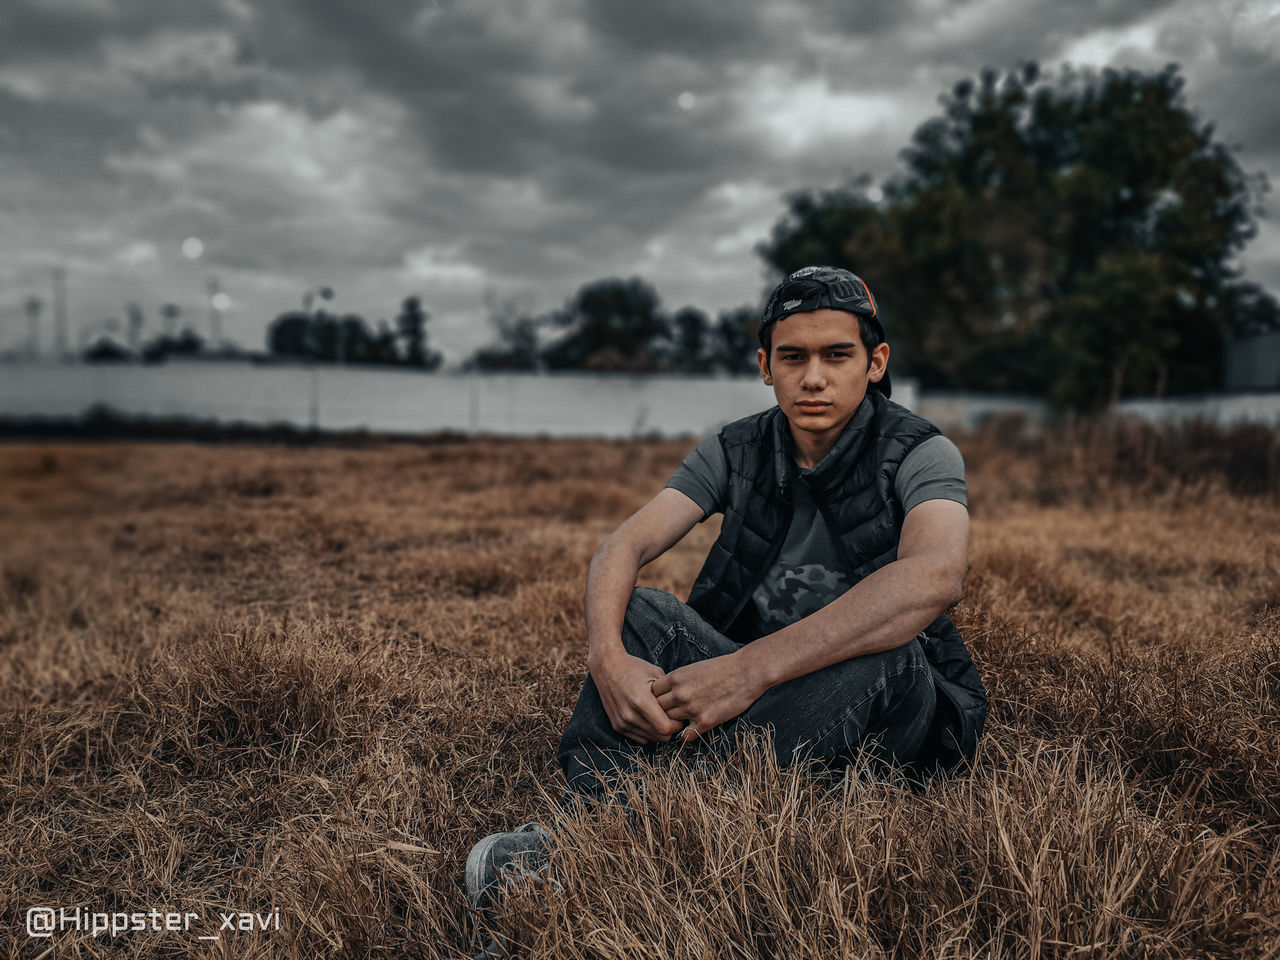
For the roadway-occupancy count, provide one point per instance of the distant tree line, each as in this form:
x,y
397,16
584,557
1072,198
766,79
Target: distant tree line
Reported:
x,y
329,338
619,325
99,345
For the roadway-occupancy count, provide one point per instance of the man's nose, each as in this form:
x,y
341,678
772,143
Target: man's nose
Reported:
x,y
813,376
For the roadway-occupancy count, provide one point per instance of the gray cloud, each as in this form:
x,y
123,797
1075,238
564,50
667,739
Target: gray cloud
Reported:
x,y
31,30
699,32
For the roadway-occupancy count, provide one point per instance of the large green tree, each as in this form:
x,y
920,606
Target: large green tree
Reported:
x,y
1071,236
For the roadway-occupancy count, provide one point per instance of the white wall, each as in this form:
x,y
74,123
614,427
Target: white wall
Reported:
x,y
949,411
968,410
1224,410
401,401
392,401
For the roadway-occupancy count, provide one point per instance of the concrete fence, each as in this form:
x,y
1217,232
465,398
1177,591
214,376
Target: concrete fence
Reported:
x,y
402,401
385,400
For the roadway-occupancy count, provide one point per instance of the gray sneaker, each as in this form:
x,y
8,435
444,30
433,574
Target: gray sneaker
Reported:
x,y
502,856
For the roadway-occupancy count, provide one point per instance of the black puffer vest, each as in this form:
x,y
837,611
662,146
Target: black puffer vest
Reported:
x,y
853,487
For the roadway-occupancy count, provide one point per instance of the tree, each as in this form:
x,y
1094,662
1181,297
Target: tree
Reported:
x,y
412,324
384,344
289,335
105,350
1252,310
691,335
516,349
187,342
826,227
160,348
734,340
343,339
517,345
1070,236
610,324
331,339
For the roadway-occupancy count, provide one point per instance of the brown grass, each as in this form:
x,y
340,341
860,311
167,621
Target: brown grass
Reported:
x,y
310,678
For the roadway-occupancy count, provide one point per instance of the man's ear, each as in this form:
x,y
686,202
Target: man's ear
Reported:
x,y
762,358
879,363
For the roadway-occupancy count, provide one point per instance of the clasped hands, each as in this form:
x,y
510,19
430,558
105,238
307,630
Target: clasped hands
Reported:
x,y
645,704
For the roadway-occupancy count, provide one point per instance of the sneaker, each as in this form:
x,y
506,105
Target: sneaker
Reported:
x,y
501,856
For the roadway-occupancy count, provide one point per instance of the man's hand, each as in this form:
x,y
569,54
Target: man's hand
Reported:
x,y
625,684
707,693
623,680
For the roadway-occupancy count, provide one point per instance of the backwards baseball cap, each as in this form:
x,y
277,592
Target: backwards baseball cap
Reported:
x,y
812,288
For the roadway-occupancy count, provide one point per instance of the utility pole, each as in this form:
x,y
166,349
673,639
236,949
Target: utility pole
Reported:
x,y
33,307
60,312
215,315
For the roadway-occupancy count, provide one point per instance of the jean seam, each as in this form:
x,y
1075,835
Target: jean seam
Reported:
x,y
848,713
664,642
693,641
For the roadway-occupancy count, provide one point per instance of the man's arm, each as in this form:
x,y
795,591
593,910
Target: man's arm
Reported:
x,y
623,680
882,611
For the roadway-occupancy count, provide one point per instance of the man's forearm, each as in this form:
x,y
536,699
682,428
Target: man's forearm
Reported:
x,y
880,612
610,580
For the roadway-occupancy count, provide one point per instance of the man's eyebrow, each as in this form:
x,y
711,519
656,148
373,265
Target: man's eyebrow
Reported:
x,y
784,347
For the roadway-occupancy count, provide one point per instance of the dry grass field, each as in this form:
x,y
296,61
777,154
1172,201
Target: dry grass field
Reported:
x,y
305,679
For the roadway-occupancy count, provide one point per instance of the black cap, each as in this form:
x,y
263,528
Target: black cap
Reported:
x,y
812,288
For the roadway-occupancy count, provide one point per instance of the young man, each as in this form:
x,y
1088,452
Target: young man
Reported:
x,y
819,614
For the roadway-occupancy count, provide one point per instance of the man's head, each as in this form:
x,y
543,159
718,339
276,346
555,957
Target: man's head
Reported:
x,y
810,288
821,359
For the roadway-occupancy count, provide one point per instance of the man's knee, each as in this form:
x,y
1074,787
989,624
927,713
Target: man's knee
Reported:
x,y
666,631
650,610
649,602
648,618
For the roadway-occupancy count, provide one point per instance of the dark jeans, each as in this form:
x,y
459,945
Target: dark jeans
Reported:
x,y
883,700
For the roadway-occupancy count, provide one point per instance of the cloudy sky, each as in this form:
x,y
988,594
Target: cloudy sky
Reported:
x,y
474,151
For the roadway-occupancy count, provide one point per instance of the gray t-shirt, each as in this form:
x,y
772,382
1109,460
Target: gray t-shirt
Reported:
x,y
807,574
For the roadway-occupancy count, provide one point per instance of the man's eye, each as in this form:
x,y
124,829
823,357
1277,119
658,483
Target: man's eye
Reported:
x,y
838,354
792,356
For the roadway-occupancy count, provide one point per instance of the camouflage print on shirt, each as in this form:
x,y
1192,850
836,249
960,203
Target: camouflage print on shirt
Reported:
x,y
792,593
807,573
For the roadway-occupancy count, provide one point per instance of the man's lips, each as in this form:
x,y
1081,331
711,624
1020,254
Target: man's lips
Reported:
x,y
813,404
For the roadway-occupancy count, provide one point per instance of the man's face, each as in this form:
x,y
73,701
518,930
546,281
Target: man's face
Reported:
x,y
818,368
